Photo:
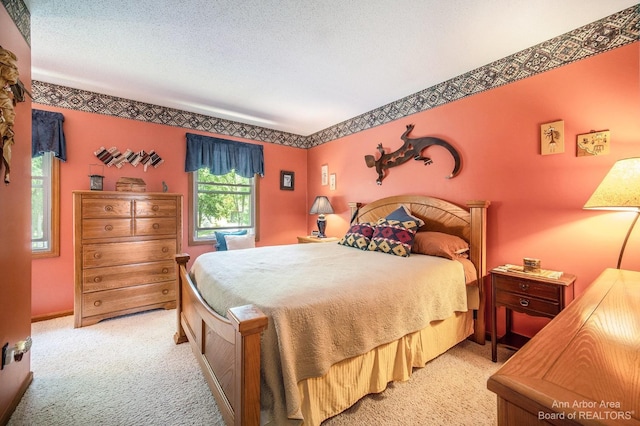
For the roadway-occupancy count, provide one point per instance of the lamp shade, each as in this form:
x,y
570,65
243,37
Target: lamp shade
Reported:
x,y
620,188
321,205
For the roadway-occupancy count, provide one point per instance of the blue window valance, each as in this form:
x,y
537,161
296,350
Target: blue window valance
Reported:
x,y
47,134
221,156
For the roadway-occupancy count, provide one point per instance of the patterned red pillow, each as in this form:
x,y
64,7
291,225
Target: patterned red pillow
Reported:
x,y
395,233
358,236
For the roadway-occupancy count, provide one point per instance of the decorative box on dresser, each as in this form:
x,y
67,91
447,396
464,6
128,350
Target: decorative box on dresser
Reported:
x,y
584,366
124,246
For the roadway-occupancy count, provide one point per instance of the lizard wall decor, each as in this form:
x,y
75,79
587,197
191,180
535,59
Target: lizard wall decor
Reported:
x,y
411,149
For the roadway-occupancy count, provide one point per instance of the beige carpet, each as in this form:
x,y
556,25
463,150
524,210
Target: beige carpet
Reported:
x,y
128,371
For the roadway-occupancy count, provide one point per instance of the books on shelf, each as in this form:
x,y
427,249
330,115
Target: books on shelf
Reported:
x,y
519,269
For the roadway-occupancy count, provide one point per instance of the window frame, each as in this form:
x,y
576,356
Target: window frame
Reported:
x,y
192,209
54,223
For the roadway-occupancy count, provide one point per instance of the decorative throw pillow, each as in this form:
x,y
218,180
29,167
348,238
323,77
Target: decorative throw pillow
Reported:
x,y
394,234
440,244
221,243
235,242
358,236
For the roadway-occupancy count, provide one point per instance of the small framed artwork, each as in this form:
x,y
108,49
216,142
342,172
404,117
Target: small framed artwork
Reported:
x,y
593,143
287,180
332,181
324,171
552,138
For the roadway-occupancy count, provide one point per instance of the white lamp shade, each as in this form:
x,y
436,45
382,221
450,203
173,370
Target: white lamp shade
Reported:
x,y
620,188
321,205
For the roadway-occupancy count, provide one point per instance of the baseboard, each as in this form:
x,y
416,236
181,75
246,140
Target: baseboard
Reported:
x,y
16,400
51,316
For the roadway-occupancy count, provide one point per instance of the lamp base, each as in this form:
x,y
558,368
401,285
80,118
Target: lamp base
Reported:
x,y
322,225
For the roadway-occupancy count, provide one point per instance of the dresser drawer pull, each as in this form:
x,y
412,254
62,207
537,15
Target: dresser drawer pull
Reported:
x,y
97,255
97,279
165,249
165,270
156,226
524,302
108,228
155,208
108,208
165,291
524,286
97,303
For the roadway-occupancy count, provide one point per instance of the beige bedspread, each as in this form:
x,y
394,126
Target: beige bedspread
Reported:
x,y
326,303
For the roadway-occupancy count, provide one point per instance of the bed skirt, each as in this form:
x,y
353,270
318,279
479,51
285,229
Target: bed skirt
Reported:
x,y
349,380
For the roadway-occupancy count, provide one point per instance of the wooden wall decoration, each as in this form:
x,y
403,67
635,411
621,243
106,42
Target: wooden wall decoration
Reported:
x,y
8,78
411,149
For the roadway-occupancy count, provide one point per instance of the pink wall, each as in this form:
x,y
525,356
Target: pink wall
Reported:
x,y
282,213
15,225
537,200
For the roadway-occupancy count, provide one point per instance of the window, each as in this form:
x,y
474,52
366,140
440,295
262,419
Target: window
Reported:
x,y
224,202
45,205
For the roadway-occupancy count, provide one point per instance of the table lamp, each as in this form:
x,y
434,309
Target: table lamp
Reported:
x,y
321,206
619,190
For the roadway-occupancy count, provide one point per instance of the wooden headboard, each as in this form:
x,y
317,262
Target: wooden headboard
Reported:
x,y
441,216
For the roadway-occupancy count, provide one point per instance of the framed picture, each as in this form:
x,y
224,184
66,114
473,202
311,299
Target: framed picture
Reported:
x,y
332,181
324,170
287,180
552,138
593,143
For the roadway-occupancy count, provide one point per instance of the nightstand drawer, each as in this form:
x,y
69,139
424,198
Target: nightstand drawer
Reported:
x,y
525,303
528,288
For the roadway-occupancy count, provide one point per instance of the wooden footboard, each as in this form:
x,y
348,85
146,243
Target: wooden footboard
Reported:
x,y
227,349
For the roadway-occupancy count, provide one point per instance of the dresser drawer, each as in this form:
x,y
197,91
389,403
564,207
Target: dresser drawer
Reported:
x,y
106,228
105,207
154,208
108,301
528,288
110,277
530,304
112,254
156,226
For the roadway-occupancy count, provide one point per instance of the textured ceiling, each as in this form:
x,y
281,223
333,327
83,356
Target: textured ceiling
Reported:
x,y
297,66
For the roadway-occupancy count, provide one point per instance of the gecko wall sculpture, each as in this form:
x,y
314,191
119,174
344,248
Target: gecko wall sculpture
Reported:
x,y
411,149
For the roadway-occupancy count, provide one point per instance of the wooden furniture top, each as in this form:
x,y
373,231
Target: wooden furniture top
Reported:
x,y
313,239
586,362
565,279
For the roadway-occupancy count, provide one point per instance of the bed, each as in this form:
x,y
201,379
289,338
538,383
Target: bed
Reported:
x,y
280,350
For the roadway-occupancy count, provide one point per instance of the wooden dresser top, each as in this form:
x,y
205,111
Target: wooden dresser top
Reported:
x,y
586,362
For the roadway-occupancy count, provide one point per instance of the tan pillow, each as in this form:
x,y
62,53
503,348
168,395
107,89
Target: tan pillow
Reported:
x,y
440,244
236,242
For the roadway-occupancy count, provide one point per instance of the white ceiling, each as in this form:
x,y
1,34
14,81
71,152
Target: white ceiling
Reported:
x,y
297,66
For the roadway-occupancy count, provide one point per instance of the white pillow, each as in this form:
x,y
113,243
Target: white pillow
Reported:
x,y
235,242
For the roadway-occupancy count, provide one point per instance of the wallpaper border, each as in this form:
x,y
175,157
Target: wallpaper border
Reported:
x,y
20,15
614,31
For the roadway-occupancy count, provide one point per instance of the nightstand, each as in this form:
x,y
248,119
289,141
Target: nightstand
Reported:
x,y
529,294
312,239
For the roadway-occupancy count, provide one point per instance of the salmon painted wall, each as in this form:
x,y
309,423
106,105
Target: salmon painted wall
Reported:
x,y
282,213
15,231
537,200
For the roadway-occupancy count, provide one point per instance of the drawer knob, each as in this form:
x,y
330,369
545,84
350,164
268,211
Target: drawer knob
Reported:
x,y
524,302
97,279
524,286
165,291
97,255
156,226
165,270
155,208
108,208
165,250
108,228
97,303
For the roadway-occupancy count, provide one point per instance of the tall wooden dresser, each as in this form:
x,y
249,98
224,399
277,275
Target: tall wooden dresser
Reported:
x,y
124,245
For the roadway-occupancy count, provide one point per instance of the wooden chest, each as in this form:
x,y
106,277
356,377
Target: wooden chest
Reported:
x,y
124,245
